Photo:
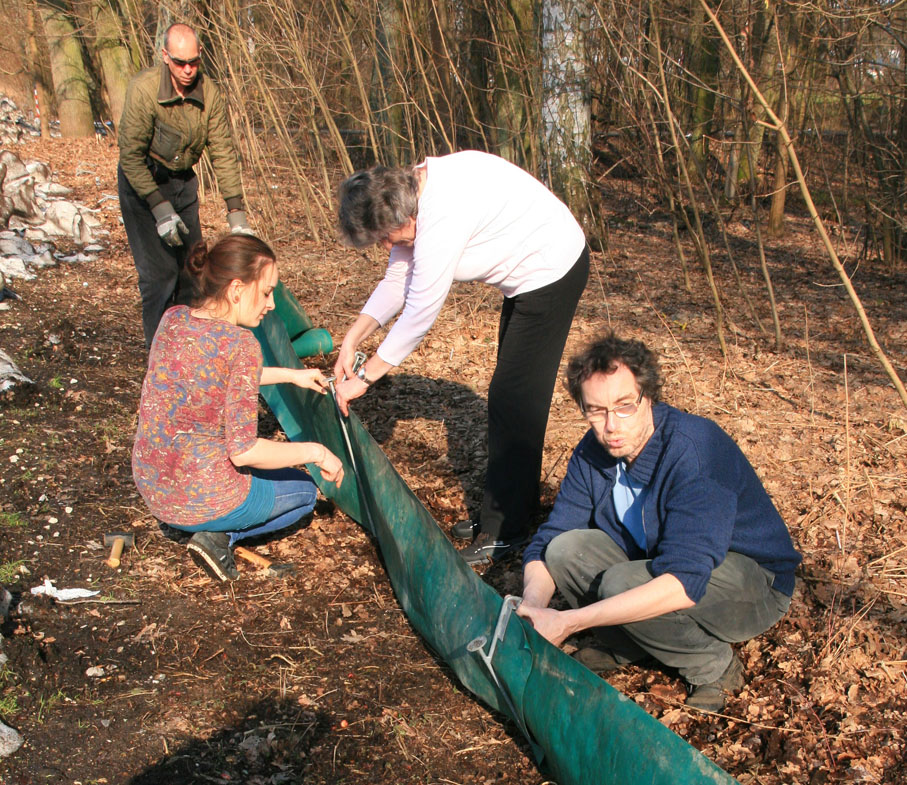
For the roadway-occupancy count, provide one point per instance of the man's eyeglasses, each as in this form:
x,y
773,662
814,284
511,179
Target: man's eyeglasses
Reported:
x,y
195,61
601,415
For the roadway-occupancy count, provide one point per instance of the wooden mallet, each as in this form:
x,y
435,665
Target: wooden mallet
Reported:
x,y
117,542
263,563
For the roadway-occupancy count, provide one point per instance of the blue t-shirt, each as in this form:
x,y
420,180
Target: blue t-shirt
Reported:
x,y
629,496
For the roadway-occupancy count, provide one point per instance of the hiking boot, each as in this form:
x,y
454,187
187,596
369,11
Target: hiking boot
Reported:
x,y
211,551
486,549
713,696
598,660
465,530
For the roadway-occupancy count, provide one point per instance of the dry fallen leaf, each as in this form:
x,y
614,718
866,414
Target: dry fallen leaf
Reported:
x,y
670,717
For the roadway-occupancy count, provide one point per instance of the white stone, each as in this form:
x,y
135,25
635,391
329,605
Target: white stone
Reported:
x,y
10,741
14,267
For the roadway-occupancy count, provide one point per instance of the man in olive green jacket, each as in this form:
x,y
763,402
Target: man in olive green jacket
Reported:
x,y
172,113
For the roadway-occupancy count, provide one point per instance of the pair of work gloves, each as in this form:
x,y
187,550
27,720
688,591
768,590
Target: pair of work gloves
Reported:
x,y
170,227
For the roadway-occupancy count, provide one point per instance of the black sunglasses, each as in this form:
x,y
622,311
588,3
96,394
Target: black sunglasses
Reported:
x,y
183,63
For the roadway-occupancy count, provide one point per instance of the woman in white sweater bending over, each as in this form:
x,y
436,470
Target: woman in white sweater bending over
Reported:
x,y
472,216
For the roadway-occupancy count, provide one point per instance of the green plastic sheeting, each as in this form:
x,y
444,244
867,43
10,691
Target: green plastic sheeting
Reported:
x,y
582,730
312,342
307,340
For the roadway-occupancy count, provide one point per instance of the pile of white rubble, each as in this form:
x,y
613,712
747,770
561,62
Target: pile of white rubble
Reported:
x,y
35,214
10,740
14,125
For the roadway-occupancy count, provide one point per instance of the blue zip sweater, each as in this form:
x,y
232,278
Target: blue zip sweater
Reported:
x,y
704,499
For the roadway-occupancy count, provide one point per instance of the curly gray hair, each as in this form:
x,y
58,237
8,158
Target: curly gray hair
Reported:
x,y
375,201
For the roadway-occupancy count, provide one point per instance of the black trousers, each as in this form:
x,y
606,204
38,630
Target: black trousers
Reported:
x,y
161,267
531,338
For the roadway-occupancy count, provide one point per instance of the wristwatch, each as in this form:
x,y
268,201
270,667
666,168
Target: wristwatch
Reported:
x,y
360,375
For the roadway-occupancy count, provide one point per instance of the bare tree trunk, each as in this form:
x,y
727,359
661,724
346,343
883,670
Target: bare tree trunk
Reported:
x,y
70,78
387,99
116,63
704,70
779,191
900,173
763,264
514,74
137,37
763,61
40,85
565,108
698,235
734,164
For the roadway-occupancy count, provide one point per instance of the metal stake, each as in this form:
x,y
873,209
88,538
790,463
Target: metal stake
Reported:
x,y
476,646
358,359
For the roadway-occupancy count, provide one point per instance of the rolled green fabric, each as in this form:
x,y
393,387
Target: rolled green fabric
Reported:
x,y
291,312
580,729
312,342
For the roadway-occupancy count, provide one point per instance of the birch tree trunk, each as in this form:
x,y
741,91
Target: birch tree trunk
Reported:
x,y
565,104
70,78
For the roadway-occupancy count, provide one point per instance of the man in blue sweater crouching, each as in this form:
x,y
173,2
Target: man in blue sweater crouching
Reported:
x,y
662,538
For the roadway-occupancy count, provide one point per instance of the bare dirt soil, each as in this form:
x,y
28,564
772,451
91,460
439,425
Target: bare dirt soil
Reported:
x,y
318,678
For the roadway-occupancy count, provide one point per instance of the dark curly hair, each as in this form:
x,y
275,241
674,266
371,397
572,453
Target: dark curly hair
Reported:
x,y
604,355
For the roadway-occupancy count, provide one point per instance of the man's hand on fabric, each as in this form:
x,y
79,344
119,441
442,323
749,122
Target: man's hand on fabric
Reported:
x,y
170,226
239,224
548,623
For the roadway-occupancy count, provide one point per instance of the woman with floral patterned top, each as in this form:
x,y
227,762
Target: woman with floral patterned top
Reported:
x,y
197,459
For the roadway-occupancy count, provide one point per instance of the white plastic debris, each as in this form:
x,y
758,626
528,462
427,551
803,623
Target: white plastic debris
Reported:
x,y
6,600
48,190
10,375
10,741
14,267
34,208
12,244
50,590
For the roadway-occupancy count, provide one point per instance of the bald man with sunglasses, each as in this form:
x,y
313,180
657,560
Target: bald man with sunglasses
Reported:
x,y
172,114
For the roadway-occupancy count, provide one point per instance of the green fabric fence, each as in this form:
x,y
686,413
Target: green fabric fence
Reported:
x,y
581,729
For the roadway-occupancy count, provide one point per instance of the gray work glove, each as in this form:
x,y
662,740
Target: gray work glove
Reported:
x,y
169,224
238,223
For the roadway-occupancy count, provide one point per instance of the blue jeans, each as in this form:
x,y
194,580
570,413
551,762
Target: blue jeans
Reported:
x,y
294,493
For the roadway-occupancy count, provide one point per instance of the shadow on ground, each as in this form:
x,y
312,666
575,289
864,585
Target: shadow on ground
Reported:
x,y
270,744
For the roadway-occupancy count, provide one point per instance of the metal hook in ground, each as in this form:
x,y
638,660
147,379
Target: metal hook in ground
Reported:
x,y
349,449
477,646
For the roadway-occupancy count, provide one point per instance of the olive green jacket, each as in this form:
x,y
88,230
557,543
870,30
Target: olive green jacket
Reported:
x,y
160,124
